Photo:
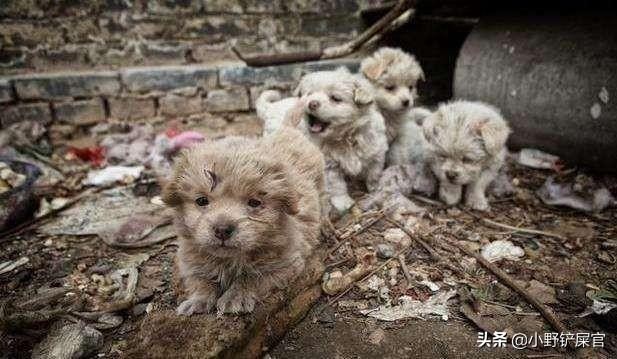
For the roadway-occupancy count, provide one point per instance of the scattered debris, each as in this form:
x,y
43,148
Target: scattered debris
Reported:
x,y
95,155
377,336
9,266
397,237
336,282
411,308
384,251
69,341
583,194
17,198
46,207
538,159
502,249
113,174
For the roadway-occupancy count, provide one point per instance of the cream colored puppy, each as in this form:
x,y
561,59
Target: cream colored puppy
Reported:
x,y
272,110
394,75
342,120
466,148
247,214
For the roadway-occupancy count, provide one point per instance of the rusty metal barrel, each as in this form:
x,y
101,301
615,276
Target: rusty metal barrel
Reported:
x,y
555,80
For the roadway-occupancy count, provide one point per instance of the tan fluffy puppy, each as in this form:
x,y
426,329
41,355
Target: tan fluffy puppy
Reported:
x,y
343,121
394,75
466,148
248,215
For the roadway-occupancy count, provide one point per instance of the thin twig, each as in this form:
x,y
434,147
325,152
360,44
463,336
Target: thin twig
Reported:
x,y
401,260
347,235
377,29
507,280
522,230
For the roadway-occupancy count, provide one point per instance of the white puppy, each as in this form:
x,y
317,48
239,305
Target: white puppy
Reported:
x,y
272,110
394,75
466,148
342,120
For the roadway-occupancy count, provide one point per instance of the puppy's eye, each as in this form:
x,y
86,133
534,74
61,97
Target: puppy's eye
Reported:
x,y
390,88
254,203
336,98
467,160
202,201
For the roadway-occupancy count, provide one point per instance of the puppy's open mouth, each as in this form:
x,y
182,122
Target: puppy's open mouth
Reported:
x,y
316,125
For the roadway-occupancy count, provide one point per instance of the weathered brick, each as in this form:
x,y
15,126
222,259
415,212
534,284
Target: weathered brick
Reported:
x,y
128,108
63,85
172,105
243,75
6,93
168,77
171,7
326,65
232,99
28,112
224,6
85,112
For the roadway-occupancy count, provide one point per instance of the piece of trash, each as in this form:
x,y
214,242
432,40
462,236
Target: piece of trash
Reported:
x,y
185,139
502,249
46,206
538,159
8,266
384,251
69,341
397,237
337,282
94,154
18,201
112,174
411,308
586,196
602,307
430,285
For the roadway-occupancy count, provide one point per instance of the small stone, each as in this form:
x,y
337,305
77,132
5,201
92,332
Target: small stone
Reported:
x,y
377,337
595,111
385,251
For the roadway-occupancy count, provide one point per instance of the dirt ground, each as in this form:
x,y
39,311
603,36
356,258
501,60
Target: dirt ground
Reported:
x,y
74,278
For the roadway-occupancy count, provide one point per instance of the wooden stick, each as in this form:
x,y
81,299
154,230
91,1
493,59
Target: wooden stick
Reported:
x,y
507,280
408,277
521,230
384,24
345,236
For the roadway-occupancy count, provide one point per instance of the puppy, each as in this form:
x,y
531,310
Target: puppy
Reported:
x,y
394,75
272,110
342,120
466,148
247,214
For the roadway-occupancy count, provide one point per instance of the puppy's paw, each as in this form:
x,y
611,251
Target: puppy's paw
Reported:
x,y
196,304
449,194
235,301
342,204
477,202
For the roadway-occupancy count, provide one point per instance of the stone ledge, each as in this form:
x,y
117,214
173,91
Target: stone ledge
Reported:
x,y
244,75
66,85
40,112
165,78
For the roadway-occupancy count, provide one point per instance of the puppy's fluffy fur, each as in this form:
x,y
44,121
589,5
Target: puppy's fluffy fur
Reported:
x,y
466,148
248,215
394,75
342,120
272,110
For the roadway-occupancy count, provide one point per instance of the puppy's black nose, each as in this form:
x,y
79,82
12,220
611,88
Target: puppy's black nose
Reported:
x,y
405,102
451,175
224,231
313,105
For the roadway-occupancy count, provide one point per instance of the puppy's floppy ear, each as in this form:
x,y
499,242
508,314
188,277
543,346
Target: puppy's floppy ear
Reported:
x,y
429,128
171,195
494,134
362,94
372,68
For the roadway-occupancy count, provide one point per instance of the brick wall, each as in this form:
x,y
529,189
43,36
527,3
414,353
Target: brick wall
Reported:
x,y
43,35
67,101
